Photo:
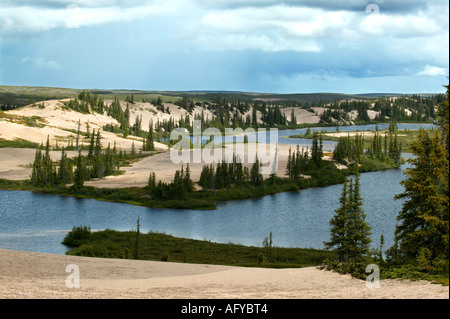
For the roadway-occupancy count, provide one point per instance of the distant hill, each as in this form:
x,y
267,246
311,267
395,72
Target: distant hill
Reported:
x,y
377,95
16,96
23,95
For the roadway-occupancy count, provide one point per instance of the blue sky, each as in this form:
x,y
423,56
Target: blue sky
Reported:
x,y
301,46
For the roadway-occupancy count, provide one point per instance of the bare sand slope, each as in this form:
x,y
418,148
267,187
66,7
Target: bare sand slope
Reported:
x,y
15,163
137,174
301,115
59,124
38,275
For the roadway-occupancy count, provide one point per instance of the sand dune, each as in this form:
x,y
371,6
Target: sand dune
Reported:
x,y
38,275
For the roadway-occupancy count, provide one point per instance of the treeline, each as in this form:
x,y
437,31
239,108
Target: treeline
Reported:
x,y
178,189
87,103
7,106
380,148
97,163
401,109
226,175
301,161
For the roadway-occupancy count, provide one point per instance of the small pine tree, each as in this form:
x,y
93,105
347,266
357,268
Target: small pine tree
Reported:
x,y
256,178
78,136
188,183
136,245
79,172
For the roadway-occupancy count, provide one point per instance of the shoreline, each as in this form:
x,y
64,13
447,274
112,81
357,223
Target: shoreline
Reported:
x,y
222,195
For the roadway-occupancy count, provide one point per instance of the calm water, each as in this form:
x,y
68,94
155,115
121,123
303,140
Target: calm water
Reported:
x,y
38,222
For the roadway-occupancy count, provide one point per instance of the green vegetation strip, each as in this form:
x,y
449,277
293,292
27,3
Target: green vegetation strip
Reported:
x,y
163,247
158,246
204,200
405,137
17,143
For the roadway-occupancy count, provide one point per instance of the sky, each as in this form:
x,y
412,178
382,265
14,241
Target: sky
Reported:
x,y
267,46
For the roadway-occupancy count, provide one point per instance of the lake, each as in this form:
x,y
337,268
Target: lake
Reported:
x,y
38,222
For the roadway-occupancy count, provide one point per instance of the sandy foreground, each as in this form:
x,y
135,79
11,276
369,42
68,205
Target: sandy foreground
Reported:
x,y
39,275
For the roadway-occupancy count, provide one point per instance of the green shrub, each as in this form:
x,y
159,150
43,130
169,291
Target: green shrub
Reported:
x,y
354,268
77,236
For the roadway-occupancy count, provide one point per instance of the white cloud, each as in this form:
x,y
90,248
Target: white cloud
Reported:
x,y
29,19
403,26
42,63
273,28
312,28
402,39
239,42
432,70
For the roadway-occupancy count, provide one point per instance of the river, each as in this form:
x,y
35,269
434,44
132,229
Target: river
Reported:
x,y
38,222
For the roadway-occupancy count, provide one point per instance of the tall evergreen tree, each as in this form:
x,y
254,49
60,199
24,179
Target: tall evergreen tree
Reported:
x,y
136,244
256,179
65,169
188,183
359,231
48,165
79,172
338,226
349,232
149,143
443,121
254,116
424,218
316,151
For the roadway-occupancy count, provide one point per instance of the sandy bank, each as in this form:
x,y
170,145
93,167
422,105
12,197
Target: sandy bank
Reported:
x,y
38,275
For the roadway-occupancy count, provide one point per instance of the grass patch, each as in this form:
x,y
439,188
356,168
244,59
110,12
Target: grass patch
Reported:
x,y
163,247
31,121
413,273
17,143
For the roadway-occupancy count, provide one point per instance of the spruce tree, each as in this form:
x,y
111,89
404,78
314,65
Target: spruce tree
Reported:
x,y
136,244
359,231
78,136
256,179
150,145
47,165
79,172
443,121
151,185
65,169
424,218
316,151
289,164
187,180
91,146
349,232
254,116
37,173
338,227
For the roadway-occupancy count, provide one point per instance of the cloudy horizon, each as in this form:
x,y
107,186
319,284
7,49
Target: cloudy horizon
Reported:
x,y
250,45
